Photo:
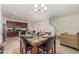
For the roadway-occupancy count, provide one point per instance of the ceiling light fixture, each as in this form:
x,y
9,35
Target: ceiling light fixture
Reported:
x,y
40,8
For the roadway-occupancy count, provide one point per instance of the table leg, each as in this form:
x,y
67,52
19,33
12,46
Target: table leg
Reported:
x,y
35,50
55,46
21,48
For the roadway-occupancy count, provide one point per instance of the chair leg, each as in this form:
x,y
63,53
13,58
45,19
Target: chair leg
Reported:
x,y
26,51
52,51
31,51
38,50
55,45
46,52
21,50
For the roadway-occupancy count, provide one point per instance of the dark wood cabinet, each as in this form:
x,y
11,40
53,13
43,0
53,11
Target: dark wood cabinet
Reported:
x,y
12,24
12,34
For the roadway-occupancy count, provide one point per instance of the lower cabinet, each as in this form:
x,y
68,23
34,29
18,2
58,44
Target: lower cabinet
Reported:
x,y
12,34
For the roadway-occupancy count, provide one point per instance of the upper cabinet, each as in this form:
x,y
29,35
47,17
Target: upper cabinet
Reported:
x,y
13,24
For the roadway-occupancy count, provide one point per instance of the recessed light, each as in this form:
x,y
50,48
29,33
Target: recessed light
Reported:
x,y
45,8
43,5
36,5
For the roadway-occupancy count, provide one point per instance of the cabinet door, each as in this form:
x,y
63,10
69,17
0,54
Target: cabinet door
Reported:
x,y
12,24
24,25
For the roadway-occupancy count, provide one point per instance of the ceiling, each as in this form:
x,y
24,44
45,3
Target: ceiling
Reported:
x,y
26,11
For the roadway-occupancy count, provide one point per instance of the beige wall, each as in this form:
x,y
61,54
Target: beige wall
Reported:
x,y
9,19
67,24
42,25
1,32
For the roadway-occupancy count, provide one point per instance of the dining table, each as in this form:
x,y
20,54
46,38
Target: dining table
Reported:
x,y
35,41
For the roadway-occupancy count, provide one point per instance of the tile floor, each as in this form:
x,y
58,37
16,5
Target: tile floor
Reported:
x,y
65,50
12,45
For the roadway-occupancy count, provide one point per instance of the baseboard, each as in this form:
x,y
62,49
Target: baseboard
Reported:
x,y
69,46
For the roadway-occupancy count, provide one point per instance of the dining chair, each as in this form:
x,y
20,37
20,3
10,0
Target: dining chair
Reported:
x,y
24,46
48,45
1,49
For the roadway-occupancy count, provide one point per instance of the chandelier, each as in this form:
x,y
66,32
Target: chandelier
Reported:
x,y
40,8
